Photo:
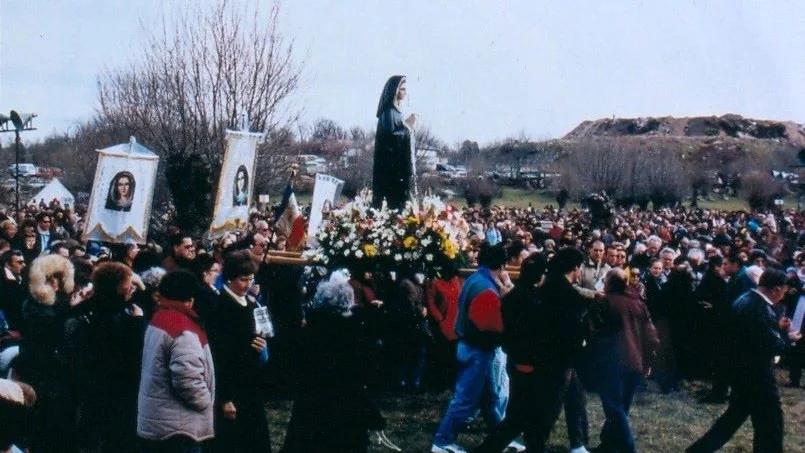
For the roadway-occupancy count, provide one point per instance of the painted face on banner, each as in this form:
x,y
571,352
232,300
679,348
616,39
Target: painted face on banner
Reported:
x,y
121,192
240,192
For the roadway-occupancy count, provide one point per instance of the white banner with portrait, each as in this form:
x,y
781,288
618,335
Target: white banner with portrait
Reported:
x,y
325,192
120,203
236,184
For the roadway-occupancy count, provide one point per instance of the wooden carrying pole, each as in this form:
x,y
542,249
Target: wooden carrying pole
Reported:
x,y
295,259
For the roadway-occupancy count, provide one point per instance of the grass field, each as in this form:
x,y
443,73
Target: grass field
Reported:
x,y
661,423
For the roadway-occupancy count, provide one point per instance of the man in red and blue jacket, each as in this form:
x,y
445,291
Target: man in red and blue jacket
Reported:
x,y
482,363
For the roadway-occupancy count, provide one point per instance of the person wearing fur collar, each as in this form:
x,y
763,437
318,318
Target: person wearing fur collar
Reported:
x,y
43,360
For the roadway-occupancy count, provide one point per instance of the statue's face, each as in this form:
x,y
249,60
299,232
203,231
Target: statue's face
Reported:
x,y
401,92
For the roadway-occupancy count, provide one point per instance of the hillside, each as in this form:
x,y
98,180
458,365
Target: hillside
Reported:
x,y
706,127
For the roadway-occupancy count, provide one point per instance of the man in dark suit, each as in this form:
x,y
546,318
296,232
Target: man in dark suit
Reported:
x,y
757,336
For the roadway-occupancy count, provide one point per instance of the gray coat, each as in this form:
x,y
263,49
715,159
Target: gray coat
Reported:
x,y
177,385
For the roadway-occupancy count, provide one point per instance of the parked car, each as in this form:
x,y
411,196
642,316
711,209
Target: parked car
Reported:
x,y
48,173
35,183
24,169
450,172
311,164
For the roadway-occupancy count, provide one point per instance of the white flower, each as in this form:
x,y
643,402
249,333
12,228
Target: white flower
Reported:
x,y
359,254
397,257
429,256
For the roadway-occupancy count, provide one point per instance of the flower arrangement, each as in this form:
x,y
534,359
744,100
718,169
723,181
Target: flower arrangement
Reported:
x,y
420,239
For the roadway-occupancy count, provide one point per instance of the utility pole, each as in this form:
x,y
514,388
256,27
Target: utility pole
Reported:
x,y
21,122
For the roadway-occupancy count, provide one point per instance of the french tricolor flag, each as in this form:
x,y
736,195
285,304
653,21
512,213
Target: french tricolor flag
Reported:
x,y
289,221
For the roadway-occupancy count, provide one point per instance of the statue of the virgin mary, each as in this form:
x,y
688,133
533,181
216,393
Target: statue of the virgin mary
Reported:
x,y
394,172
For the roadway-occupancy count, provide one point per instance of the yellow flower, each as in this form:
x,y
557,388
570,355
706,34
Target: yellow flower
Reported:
x,y
409,242
370,250
450,249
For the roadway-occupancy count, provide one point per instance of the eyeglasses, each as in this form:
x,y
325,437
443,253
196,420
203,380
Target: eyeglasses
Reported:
x,y
45,221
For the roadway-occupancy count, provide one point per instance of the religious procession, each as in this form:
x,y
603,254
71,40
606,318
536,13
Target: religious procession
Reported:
x,y
114,342
198,267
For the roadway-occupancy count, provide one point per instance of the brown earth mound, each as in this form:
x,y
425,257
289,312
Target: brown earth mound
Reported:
x,y
704,127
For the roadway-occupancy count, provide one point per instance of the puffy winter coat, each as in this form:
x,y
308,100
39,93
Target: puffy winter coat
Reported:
x,y
177,384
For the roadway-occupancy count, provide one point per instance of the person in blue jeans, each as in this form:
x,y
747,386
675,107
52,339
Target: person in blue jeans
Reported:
x,y
626,344
482,363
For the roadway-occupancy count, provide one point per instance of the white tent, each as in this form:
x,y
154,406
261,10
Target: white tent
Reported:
x,y
55,189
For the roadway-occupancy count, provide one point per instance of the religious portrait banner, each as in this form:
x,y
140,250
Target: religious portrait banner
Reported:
x,y
236,183
325,193
120,203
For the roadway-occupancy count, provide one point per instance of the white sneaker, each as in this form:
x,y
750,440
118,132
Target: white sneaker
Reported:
x,y
452,448
382,440
515,446
580,450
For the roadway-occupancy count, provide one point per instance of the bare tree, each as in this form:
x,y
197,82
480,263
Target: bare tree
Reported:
x,y
275,157
194,77
425,142
599,165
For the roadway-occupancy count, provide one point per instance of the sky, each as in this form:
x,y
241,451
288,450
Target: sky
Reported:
x,y
481,70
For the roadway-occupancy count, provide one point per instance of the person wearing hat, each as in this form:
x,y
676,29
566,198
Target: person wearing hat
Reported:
x,y
175,404
44,360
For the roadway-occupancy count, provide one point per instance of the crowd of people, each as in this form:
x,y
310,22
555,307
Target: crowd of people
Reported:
x,y
175,345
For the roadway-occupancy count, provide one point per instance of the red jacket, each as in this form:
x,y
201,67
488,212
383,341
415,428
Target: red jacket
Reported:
x,y
442,296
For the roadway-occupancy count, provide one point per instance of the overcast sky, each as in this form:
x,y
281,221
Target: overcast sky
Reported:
x,y
481,70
